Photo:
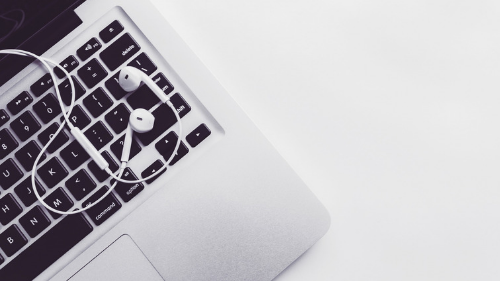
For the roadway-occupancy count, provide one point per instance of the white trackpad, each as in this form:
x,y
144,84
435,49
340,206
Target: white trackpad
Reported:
x,y
122,260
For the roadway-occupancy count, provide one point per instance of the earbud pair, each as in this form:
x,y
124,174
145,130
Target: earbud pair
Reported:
x,y
141,120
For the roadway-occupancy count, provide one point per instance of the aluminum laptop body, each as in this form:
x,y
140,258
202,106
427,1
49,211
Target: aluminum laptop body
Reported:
x,y
230,209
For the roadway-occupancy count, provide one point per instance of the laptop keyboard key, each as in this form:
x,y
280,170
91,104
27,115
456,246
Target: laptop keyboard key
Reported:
x,y
9,209
114,87
19,103
7,143
25,125
118,118
102,175
25,192
47,108
70,63
104,209
9,173
48,133
144,97
119,51
52,172
198,135
143,63
97,102
65,90
181,152
163,83
127,191
47,249
117,148
78,117
42,85
153,168
11,241
4,117
88,49
74,155
27,155
98,135
92,73
34,221
166,145
80,184
58,200
110,31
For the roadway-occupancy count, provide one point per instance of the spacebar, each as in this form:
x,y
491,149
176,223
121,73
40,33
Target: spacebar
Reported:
x,y
46,250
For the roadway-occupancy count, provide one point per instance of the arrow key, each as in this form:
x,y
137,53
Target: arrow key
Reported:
x,y
198,135
80,184
153,168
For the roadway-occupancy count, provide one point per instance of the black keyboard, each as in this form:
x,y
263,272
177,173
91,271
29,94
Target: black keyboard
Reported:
x,y
31,237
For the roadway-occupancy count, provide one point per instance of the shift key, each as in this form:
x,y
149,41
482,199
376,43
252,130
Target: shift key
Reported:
x,y
119,52
48,249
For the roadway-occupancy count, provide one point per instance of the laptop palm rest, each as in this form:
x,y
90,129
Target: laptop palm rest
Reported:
x,y
122,260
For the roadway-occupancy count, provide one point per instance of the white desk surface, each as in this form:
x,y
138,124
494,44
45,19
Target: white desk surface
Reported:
x,y
389,110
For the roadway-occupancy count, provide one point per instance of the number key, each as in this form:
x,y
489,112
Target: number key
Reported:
x,y
47,108
7,143
25,125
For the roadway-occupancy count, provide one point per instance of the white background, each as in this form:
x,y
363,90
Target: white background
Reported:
x,y
389,110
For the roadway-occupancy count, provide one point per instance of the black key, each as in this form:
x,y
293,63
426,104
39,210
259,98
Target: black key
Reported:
x,y
98,135
127,191
27,155
25,125
34,221
144,97
58,200
1,259
163,83
65,90
19,103
92,73
80,184
10,173
4,117
78,117
153,168
25,192
119,51
198,135
166,145
117,148
114,87
102,175
104,209
11,241
118,118
9,209
111,31
70,63
52,172
74,155
167,119
181,152
88,49
143,63
42,85
72,228
48,134
47,108
7,143
97,102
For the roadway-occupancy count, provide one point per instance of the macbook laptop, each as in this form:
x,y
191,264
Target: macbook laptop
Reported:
x,y
228,207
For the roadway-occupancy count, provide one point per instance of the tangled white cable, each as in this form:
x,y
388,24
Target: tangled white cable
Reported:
x,y
138,77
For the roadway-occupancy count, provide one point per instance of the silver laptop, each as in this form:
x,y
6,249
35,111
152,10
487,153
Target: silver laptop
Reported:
x,y
228,207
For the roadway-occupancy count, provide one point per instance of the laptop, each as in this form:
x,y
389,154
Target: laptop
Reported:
x,y
228,206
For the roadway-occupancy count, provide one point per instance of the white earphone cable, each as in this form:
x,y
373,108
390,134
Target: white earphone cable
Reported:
x,y
46,62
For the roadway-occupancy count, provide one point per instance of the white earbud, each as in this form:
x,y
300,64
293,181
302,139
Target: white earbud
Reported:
x,y
130,79
141,121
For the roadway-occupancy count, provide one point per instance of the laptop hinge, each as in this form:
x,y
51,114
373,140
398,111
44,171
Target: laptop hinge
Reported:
x,y
39,43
